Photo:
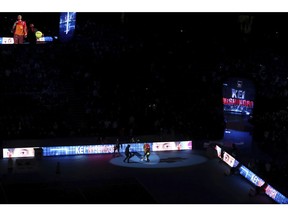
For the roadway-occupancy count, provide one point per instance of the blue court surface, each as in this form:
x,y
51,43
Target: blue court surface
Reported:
x,y
172,177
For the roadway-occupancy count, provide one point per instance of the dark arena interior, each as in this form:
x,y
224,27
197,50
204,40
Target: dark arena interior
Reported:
x,y
144,77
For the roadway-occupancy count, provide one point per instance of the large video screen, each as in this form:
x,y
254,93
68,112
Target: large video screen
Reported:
x,y
109,148
67,25
169,146
218,149
252,177
18,152
95,149
277,196
88,149
238,96
227,158
77,150
47,23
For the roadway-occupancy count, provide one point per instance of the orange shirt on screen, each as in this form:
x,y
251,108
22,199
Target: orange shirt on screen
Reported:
x,y
20,28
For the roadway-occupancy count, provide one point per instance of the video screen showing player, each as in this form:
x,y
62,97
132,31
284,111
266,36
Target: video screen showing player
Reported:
x,y
44,26
238,96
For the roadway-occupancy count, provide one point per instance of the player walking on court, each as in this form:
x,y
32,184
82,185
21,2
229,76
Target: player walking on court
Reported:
x,y
146,152
128,154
